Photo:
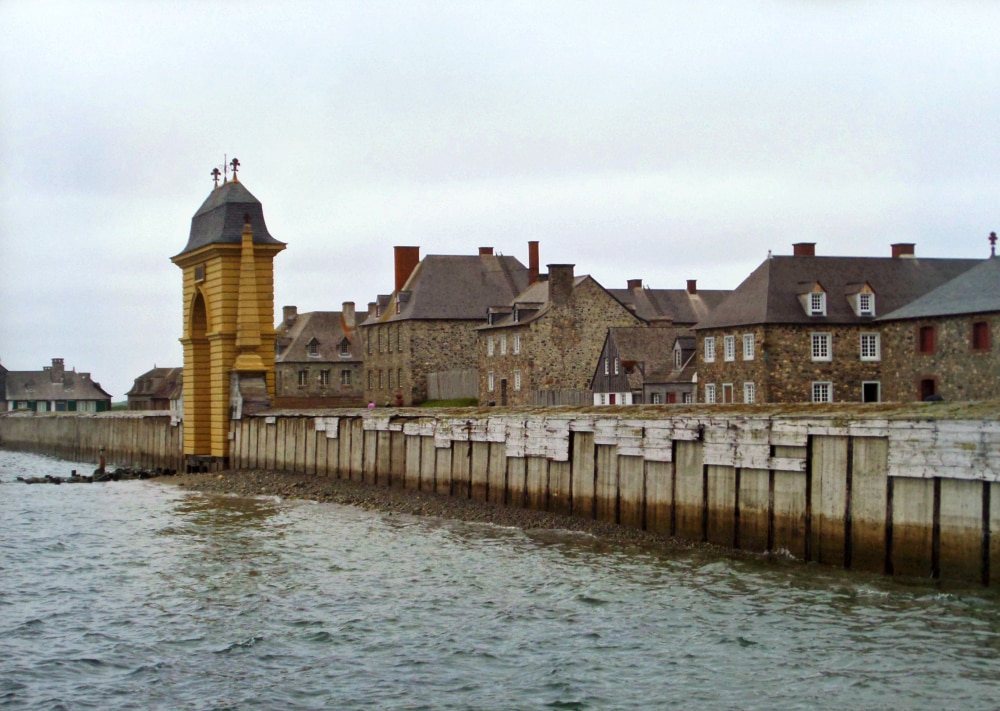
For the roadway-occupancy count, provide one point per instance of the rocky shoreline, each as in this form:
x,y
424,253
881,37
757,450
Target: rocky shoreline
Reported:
x,y
325,489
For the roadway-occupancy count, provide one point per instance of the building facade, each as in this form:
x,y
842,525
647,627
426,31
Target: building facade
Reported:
x,y
54,389
158,389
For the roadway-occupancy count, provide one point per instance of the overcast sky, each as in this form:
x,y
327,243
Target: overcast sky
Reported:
x,y
656,140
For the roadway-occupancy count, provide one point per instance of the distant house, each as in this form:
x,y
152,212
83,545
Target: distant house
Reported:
x,y
636,366
420,340
158,389
946,344
803,328
54,389
318,359
540,348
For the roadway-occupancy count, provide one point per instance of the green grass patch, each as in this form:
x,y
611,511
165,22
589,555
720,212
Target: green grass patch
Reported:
x,y
456,402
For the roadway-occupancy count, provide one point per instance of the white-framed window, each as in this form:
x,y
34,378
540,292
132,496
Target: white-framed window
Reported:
x,y
821,349
503,344
604,399
381,380
517,379
371,380
710,393
399,338
678,359
489,346
866,304
709,349
817,303
616,366
687,398
517,316
324,377
870,346
517,343
390,379
748,343
490,381
748,393
822,392
729,348
303,377
655,399
607,368
313,348
345,377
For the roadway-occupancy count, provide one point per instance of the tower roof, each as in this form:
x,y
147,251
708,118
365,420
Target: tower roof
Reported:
x,y
220,218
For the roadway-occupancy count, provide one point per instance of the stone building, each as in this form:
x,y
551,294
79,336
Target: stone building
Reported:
x,y
319,359
158,389
54,389
228,297
540,347
944,345
803,328
424,331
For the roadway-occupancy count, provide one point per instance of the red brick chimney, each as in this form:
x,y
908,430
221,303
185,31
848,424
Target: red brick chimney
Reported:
x,y
692,286
485,251
903,249
532,261
804,249
407,259
560,283
634,284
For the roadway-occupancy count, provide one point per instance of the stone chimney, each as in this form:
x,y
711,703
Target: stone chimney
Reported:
x,y
532,261
485,251
372,308
804,249
633,284
903,249
347,314
692,287
57,370
289,314
560,283
406,260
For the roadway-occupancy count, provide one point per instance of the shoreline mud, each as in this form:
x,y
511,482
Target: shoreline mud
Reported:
x,y
391,500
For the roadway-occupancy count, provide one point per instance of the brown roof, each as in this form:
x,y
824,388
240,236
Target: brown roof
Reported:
x,y
159,383
456,287
771,293
651,348
326,328
40,385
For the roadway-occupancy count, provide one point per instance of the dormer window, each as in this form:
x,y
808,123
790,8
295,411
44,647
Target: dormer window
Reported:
x,y
312,348
489,318
678,358
397,305
345,348
516,315
866,304
817,303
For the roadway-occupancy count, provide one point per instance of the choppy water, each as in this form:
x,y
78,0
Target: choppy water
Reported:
x,y
138,595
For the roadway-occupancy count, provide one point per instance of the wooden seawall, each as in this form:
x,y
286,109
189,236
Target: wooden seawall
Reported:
x,y
913,497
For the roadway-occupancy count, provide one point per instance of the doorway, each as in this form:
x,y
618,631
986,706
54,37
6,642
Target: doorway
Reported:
x,y
503,392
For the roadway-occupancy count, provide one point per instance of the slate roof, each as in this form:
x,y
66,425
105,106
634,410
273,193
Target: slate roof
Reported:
x,y
456,287
771,293
972,292
327,328
159,383
220,218
531,304
40,385
676,304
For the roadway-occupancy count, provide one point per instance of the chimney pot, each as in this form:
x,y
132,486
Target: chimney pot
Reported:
x,y
903,249
485,251
804,249
634,283
692,287
406,260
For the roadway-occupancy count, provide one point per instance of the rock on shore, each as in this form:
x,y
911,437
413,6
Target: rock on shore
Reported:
x,y
258,482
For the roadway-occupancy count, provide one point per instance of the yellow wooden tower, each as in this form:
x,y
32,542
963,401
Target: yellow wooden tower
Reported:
x,y
229,335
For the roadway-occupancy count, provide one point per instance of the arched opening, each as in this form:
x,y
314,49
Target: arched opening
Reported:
x,y
198,398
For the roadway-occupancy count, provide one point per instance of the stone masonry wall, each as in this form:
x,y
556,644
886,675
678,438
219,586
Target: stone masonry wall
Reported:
x,y
960,372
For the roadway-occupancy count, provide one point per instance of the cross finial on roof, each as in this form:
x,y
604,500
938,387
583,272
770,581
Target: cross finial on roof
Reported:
x,y
993,244
215,176
235,163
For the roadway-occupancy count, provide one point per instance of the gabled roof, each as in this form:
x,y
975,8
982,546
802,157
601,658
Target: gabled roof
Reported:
x,y
771,293
220,218
531,304
972,292
327,328
678,305
39,385
455,287
650,347
159,383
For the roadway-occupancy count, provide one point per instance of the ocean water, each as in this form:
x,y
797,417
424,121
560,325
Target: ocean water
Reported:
x,y
140,595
